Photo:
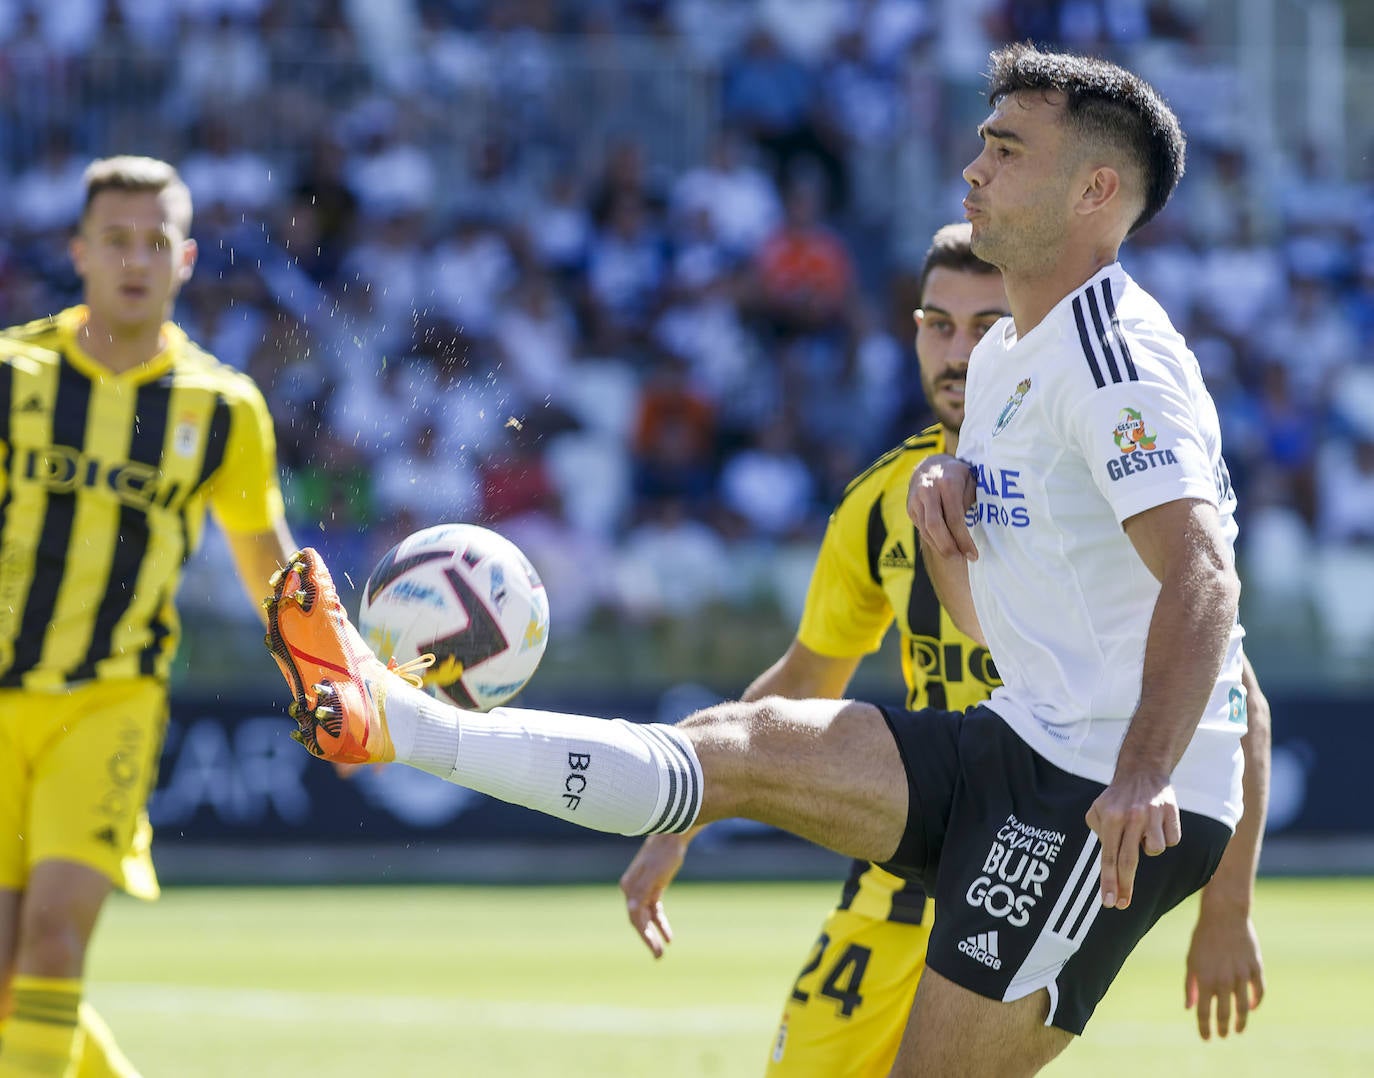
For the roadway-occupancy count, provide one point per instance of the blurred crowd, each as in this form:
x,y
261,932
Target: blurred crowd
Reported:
x,y
632,280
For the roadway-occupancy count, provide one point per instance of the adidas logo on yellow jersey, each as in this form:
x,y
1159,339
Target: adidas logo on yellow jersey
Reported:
x,y
896,557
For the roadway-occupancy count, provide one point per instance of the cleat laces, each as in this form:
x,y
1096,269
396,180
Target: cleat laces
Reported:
x,y
413,669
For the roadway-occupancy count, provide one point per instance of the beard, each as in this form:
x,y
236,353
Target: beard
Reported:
x,y
948,417
1028,239
983,243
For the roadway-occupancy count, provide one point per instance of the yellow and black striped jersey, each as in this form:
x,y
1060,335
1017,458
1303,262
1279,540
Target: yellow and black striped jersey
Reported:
x,y
104,483
869,573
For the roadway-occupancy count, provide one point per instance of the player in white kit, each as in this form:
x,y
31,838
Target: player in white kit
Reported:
x,y
1085,536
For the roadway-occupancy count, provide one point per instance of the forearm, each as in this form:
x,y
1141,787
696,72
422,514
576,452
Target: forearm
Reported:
x,y
257,556
803,674
1233,884
1188,636
772,682
949,575
942,491
683,839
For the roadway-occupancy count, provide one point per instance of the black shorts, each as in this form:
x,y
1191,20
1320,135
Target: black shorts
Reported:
x,y
998,835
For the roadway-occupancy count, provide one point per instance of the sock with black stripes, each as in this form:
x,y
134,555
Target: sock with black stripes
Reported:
x,y
43,1037
604,774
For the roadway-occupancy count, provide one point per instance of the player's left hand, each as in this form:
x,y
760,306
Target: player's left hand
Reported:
x,y
1224,970
941,490
643,883
1136,812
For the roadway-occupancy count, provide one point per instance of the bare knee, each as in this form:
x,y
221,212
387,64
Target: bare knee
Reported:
x,y
771,724
792,764
725,738
734,724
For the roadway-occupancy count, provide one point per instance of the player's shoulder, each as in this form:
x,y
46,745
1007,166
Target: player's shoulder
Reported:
x,y
15,352
195,364
896,465
44,333
33,345
189,355
1119,333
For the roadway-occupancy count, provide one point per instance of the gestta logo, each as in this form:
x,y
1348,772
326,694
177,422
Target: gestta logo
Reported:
x,y
1136,445
1130,433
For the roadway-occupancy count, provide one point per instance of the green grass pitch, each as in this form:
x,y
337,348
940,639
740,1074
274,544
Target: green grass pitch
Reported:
x,y
401,982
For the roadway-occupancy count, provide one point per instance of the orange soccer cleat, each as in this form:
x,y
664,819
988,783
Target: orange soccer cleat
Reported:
x,y
338,686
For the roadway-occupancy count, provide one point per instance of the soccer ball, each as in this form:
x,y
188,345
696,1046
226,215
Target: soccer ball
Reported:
x,y
471,598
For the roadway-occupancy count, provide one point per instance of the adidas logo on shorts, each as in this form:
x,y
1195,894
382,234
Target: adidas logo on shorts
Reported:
x,y
982,948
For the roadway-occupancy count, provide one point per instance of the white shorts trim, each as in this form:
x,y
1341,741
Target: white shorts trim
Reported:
x,y
1065,928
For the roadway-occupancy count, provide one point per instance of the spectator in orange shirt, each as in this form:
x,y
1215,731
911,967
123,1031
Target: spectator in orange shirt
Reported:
x,y
803,275
674,437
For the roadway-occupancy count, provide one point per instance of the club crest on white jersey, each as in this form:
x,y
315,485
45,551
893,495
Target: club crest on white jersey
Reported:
x,y
1012,406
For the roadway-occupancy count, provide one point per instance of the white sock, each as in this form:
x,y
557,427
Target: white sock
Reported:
x,y
604,774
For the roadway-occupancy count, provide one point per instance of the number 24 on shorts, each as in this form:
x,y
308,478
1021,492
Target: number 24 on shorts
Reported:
x,y
843,977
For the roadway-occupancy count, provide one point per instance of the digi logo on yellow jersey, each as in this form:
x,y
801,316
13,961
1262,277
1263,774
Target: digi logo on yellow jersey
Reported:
x,y
942,661
940,666
63,470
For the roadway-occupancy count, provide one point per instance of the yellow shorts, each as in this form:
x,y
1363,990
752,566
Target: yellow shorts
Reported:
x,y
76,769
848,1009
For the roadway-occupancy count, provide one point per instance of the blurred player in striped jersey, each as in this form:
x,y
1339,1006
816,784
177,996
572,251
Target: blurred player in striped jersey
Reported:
x,y
846,1011
117,433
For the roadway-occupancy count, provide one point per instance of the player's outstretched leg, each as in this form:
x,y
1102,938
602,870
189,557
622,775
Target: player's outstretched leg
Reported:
x,y
791,763
608,775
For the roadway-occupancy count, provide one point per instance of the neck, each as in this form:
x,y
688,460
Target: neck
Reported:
x,y
952,441
120,348
1034,293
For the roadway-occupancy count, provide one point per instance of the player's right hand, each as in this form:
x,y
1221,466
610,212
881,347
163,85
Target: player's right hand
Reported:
x,y
942,490
643,883
1135,812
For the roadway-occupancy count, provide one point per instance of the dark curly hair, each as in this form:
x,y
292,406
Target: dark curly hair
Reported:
x,y
1105,103
951,248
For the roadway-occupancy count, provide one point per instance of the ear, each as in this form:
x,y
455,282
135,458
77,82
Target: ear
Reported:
x,y
1102,188
187,264
76,247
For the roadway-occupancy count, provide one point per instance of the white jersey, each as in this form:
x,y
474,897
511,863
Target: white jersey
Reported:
x,y
1097,414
